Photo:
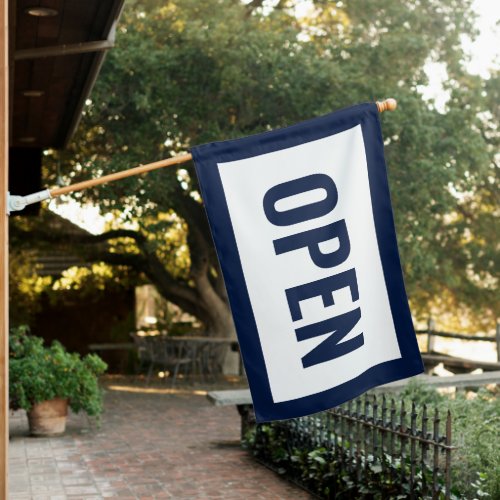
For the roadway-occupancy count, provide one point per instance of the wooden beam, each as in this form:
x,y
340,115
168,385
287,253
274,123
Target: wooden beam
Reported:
x,y
63,50
4,248
498,341
461,336
434,359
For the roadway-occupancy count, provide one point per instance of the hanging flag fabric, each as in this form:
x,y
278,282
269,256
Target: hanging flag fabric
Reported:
x,y
302,222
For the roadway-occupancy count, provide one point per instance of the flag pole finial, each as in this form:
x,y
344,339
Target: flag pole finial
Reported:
x,y
387,105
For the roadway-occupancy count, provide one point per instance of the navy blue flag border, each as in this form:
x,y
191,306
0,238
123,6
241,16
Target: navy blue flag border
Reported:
x,y
206,158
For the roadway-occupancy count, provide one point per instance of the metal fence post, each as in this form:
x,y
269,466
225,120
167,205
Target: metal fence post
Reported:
x,y
413,443
448,457
435,467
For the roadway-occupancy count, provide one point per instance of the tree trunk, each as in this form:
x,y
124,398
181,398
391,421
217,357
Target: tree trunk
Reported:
x,y
203,298
221,324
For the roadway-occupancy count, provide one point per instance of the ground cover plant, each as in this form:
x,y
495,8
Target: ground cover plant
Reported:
x,y
475,434
331,472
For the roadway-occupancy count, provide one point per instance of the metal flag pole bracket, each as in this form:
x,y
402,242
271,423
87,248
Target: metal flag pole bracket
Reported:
x,y
15,203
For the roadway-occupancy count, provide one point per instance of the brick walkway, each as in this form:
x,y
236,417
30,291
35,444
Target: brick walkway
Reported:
x,y
150,445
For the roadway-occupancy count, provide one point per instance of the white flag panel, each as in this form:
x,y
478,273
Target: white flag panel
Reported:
x,y
303,227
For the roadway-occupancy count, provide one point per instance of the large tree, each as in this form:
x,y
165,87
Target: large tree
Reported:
x,y
185,72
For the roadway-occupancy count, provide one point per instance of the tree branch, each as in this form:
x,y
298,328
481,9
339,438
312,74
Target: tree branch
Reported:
x,y
65,238
135,261
117,233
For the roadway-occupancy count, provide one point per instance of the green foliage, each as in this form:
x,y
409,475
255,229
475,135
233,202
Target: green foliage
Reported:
x,y
38,373
475,434
25,286
188,72
475,465
332,473
421,394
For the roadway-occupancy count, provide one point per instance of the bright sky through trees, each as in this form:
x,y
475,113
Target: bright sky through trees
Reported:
x,y
486,48
484,51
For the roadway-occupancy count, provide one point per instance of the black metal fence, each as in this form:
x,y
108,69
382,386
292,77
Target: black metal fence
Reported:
x,y
368,441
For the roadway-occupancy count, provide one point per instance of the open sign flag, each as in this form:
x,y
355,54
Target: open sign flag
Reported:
x,y
302,222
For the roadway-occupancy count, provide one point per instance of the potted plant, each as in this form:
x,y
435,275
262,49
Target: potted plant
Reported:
x,y
45,380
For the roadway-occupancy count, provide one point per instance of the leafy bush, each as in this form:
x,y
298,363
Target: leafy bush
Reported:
x,y
333,473
38,373
475,434
421,394
475,465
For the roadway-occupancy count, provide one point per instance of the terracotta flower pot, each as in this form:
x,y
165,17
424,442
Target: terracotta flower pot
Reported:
x,y
48,417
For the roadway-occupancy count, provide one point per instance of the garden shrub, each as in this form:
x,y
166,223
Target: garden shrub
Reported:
x,y
325,471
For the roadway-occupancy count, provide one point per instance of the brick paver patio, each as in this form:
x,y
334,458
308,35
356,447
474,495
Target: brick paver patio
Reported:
x,y
150,445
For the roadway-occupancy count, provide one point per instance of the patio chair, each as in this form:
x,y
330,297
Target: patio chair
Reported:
x,y
143,351
214,355
175,356
157,351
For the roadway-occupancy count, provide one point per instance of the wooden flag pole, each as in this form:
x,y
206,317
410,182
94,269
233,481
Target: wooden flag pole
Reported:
x,y
176,160
4,249
387,105
19,202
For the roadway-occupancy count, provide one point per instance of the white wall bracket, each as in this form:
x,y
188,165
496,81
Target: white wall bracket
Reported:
x,y
16,203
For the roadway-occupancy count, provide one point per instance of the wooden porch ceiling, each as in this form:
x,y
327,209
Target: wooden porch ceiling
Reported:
x,y
53,65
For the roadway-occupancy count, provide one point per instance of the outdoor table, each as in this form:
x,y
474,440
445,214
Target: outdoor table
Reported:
x,y
201,350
